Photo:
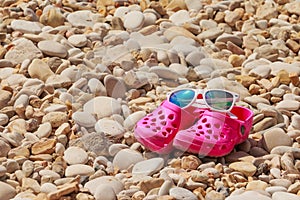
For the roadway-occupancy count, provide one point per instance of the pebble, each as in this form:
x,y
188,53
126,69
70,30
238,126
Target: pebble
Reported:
x,y
290,105
6,191
48,187
78,40
132,119
84,119
182,194
148,167
284,195
39,69
109,127
126,158
271,136
105,192
113,182
26,26
134,20
246,168
256,185
53,48
75,155
109,106
248,195
164,72
55,118
272,189
79,169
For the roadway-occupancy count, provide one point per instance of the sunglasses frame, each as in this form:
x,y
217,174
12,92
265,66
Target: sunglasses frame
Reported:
x,y
199,102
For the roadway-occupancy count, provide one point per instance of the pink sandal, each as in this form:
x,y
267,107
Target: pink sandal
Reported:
x,y
215,134
157,130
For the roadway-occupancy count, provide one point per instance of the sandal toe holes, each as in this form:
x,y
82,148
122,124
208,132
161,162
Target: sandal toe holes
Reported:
x,y
218,126
204,120
207,125
171,116
161,117
163,123
153,120
160,112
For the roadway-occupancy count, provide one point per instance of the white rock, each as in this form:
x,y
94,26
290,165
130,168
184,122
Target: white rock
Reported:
x,y
126,158
75,155
134,20
109,127
148,167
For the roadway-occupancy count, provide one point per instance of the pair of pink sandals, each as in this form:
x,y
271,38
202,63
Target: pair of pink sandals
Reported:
x,y
196,130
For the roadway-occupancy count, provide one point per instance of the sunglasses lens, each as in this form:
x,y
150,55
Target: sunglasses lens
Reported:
x,y
182,98
219,100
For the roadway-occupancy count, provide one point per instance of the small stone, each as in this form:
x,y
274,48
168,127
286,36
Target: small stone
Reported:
x,y
111,181
260,71
75,155
256,185
3,119
43,147
164,72
26,26
248,195
78,40
210,34
126,158
182,194
53,17
272,189
213,195
284,195
180,17
23,49
84,119
290,105
53,48
44,130
110,127
281,182
246,168
270,139
79,169
294,188
56,118
3,170
105,192
31,184
48,187
190,162
81,18
102,106
39,69
97,143
115,86
134,20
148,167
6,191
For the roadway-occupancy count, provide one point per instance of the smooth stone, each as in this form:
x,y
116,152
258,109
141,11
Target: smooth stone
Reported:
x,y
180,17
56,108
26,26
225,37
105,192
6,191
78,40
84,119
290,68
280,150
248,169
75,155
48,187
53,48
290,105
293,7
284,195
79,169
3,119
115,86
121,11
277,92
183,40
295,121
148,167
102,107
194,58
134,20
164,72
182,70
256,185
132,119
182,194
111,181
55,118
210,34
194,5
249,195
44,130
52,17
272,189
174,31
261,71
115,148
3,170
96,87
126,158
214,195
58,81
40,70
109,127
185,49
254,100
281,182
49,173
270,139
23,49
81,18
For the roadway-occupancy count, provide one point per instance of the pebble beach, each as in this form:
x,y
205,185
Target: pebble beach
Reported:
x,y
76,76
